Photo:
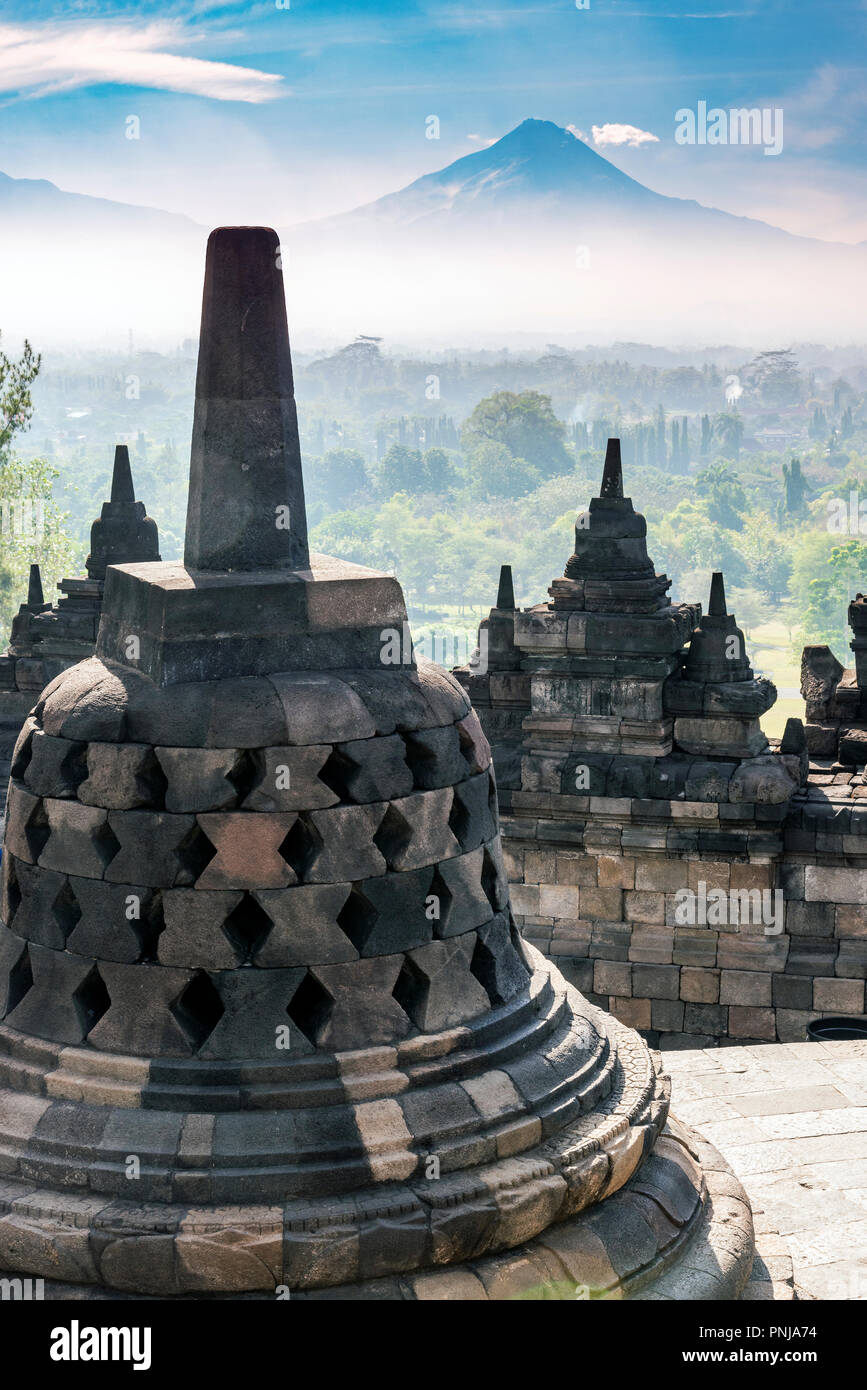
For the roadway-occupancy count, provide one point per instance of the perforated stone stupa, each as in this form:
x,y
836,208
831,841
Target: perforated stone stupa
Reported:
x,y
267,1019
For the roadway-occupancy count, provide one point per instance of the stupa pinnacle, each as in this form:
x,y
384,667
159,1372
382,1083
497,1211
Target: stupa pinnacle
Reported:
x,y
256,932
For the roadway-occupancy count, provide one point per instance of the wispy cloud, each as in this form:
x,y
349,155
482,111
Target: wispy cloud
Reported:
x,y
37,60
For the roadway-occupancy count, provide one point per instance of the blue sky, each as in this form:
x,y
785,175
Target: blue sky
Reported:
x,y
258,113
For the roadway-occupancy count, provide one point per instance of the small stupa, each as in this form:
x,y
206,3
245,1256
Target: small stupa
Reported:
x,y
267,1020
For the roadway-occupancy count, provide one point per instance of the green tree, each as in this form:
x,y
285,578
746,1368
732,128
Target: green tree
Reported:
x,y
526,424
340,477
726,499
493,471
729,430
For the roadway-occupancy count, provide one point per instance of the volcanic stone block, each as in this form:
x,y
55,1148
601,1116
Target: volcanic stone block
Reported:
x,y
699,985
496,964
436,757
288,779
417,830
56,766
464,903
767,780
810,919
320,708
612,977
155,846
474,817
198,779
66,998
80,840
709,781
16,973
360,1010
26,824
839,996
248,850
21,752
711,1019
148,1016
115,921
46,912
195,929
306,926
655,981
392,913
666,1015
474,744
89,703
121,777
832,884
792,992
436,988
255,1017
852,960
445,699
745,987
346,843
393,699
745,1022
371,769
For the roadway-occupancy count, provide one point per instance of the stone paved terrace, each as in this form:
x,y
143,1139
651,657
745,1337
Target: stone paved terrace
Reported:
x,y
791,1119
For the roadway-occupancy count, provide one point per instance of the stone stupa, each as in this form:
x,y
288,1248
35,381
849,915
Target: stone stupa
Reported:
x,y
267,1020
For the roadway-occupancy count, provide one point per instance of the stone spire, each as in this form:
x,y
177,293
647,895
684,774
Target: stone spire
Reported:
x,y
718,701
506,591
612,473
717,650
20,634
246,503
35,596
123,533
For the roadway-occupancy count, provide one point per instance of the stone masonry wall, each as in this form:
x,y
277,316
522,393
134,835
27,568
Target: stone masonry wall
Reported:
x,y
594,881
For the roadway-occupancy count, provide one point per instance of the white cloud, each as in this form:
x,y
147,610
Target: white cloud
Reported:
x,y
40,59
614,134
579,134
482,140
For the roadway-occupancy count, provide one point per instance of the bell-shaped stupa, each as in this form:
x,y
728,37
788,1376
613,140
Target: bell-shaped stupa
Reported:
x,y
267,1020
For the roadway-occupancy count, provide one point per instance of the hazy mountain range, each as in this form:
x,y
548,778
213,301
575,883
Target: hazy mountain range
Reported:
x,y
534,234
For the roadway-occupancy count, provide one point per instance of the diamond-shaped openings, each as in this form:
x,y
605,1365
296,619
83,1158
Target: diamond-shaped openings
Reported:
x,y
20,980
411,991
247,773
393,837
91,1000
301,846
247,926
440,890
337,773
310,1008
194,854
357,918
493,805
66,911
468,748
198,1009
460,820
22,756
148,926
36,831
12,889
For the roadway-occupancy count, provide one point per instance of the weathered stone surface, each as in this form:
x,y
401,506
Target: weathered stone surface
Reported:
x,y
437,989
401,914
306,928
121,777
248,850
58,1005
371,769
156,848
79,839
55,767
195,933
319,708
289,778
347,842
146,1014
116,920
463,902
255,1004
198,779
766,780
363,1010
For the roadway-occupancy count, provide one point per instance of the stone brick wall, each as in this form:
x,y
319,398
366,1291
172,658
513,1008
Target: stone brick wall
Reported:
x,y
594,883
